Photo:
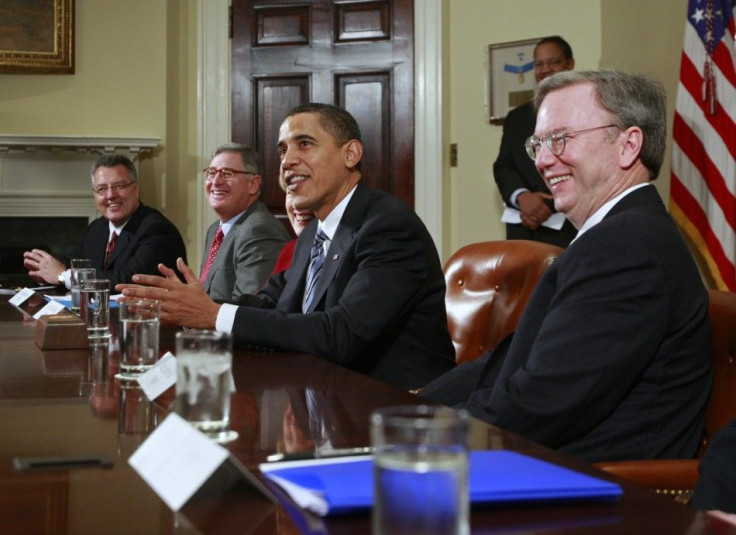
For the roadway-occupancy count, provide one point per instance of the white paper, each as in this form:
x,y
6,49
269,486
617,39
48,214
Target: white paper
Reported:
x,y
176,460
51,308
21,296
160,377
512,215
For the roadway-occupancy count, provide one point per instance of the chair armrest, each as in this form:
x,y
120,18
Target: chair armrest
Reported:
x,y
667,476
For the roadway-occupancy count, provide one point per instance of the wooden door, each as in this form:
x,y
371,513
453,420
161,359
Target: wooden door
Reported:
x,y
356,54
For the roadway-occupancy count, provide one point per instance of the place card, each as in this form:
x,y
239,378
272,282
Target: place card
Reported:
x,y
176,460
51,308
21,296
160,377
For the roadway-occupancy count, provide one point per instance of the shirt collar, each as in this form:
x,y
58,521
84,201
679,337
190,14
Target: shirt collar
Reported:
x,y
599,214
227,225
329,225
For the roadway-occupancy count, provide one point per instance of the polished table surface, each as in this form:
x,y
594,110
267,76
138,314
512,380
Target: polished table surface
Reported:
x,y
67,402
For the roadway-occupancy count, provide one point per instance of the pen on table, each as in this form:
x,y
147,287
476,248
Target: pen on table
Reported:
x,y
311,454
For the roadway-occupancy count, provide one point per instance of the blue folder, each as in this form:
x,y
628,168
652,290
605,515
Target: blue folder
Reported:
x,y
344,485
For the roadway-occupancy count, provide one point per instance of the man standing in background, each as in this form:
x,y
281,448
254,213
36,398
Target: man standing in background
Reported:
x,y
530,214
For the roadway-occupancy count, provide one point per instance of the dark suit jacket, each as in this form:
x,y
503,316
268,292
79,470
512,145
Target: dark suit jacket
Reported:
x,y
379,306
246,256
147,239
513,169
611,358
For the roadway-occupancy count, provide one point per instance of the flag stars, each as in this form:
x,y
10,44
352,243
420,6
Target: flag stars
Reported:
x,y
698,16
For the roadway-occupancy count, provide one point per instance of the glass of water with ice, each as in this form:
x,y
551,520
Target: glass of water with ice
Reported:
x,y
204,382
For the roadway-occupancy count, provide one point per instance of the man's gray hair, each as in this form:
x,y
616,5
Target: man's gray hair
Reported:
x,y
632,100
252,161
113,160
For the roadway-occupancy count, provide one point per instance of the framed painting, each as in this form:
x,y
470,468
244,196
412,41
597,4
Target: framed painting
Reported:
x,y
37,36
511,79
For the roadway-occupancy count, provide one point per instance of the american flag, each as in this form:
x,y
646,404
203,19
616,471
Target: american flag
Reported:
x,y
703,185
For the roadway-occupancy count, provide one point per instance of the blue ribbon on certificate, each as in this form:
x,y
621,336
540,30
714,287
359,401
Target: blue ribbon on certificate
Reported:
x,y
518,69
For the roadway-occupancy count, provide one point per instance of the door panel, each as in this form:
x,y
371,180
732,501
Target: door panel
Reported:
x,y
355,54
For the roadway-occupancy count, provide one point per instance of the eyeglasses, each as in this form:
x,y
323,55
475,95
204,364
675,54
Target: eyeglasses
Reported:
x,y
555,141
116,188
225,172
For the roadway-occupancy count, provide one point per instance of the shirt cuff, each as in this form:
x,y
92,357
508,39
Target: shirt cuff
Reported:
x,y
514,195
226,318
68,279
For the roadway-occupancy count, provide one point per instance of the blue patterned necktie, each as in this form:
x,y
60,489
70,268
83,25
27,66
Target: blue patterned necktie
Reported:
x,y
316,261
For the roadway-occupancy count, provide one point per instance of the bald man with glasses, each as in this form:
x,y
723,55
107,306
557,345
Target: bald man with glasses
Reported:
x,y
242,246
129,238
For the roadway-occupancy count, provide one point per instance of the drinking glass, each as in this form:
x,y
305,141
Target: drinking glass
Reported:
x,y
95,307
420,471
139,336
79,274
204,376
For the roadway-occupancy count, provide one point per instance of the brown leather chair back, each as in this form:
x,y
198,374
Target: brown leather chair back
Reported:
x,y
722,404
488,286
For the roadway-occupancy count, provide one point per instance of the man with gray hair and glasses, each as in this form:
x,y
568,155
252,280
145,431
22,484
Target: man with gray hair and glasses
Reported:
x,y
241,248
129,238
611,358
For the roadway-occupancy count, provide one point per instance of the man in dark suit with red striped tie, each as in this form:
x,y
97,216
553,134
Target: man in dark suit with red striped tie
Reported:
x,y
129,237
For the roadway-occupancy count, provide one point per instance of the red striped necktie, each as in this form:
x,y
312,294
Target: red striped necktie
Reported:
x,y
110,248
212,254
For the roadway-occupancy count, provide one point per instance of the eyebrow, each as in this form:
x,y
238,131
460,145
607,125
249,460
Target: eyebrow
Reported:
x,y
299,137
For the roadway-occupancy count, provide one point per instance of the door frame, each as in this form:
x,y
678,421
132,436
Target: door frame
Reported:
x,y
214,118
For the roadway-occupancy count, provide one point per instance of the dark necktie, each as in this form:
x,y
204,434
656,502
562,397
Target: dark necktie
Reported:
x,y
110,249
316,261
212,254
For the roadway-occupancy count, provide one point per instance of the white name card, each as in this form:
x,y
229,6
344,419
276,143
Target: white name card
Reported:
x,y
51,308
160,377
21,297
176,460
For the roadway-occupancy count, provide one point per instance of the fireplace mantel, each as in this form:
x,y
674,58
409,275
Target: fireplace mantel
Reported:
x,y
130,146
49,175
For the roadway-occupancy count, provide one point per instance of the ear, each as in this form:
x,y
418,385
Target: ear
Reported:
x,y
633,140
353,153
255,184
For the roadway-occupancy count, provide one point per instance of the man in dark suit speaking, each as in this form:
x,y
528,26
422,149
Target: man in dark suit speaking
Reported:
x,y
365,288
611,358
129,237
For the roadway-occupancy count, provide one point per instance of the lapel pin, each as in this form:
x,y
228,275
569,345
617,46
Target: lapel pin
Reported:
x,y
335,257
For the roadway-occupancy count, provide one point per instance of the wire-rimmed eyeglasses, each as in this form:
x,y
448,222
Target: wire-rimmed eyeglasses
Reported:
x,y
555,141
225,172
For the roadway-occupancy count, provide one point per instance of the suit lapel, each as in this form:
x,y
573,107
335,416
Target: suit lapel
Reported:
x,y
343,239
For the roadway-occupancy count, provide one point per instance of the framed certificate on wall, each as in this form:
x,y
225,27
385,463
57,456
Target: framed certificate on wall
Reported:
x,y
511,79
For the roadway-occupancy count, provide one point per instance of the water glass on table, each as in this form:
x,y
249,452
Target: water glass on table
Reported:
x,y
79,273
420,471
203,382
139,321
95,307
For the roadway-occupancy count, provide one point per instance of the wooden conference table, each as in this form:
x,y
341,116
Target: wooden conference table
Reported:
x,y
66,402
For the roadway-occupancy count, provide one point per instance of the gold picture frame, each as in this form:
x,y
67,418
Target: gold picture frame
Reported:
x,y
37,36
511,79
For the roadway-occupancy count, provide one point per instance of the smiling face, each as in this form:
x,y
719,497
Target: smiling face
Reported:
x,y
230,197
298,218
317,172
115,206
588,172
549,58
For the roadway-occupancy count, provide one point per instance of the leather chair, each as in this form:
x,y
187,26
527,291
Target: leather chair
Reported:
x,y
678,477
488,286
